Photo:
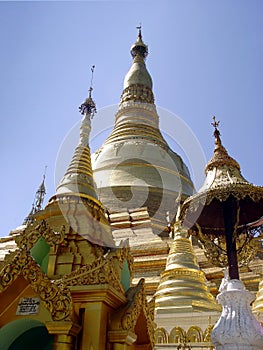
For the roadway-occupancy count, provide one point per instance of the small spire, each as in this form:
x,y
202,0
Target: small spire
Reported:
x,y
89,106
78,178
38,201
221,156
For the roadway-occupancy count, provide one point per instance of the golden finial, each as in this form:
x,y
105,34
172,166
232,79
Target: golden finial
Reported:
x,y
91,80
45,171
215,124
139,31
139,48
88,106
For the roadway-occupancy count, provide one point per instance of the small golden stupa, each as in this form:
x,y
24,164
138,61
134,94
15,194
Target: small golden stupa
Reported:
x,y
185,310
182,286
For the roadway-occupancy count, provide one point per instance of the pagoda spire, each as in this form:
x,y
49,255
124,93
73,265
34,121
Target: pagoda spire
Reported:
x,y
76,194
78,179
38,201
137,95
138,82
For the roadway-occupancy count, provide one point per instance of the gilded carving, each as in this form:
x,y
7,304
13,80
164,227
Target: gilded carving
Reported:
x,y
215,248
137,303
161,336
32,233
8,258
100,271
126,318
151,308
207,333
177,335
10,272
56,298
137,92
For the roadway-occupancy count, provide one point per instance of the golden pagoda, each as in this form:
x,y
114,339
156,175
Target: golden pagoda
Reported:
x,y
67,285
67,277
184,307
135,167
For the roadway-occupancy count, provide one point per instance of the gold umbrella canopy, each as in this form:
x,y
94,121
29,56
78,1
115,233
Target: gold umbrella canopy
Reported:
x,y
223,207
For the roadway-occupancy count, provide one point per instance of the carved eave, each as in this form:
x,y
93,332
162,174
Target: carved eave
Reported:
x,y
101,271
57,299
250,202
33,232
127,319
221,193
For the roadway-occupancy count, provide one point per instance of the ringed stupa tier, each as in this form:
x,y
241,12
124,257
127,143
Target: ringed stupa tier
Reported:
x,y
135,167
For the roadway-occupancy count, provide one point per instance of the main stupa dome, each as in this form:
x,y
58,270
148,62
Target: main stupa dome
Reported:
x,y
135,167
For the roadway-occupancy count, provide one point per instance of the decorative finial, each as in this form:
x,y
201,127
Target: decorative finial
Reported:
x,y
91,80
88,106
38,201
139,48
45,171
139,31
215,124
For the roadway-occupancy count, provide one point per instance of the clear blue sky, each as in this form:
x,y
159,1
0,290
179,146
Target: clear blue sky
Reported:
x,y
205,58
